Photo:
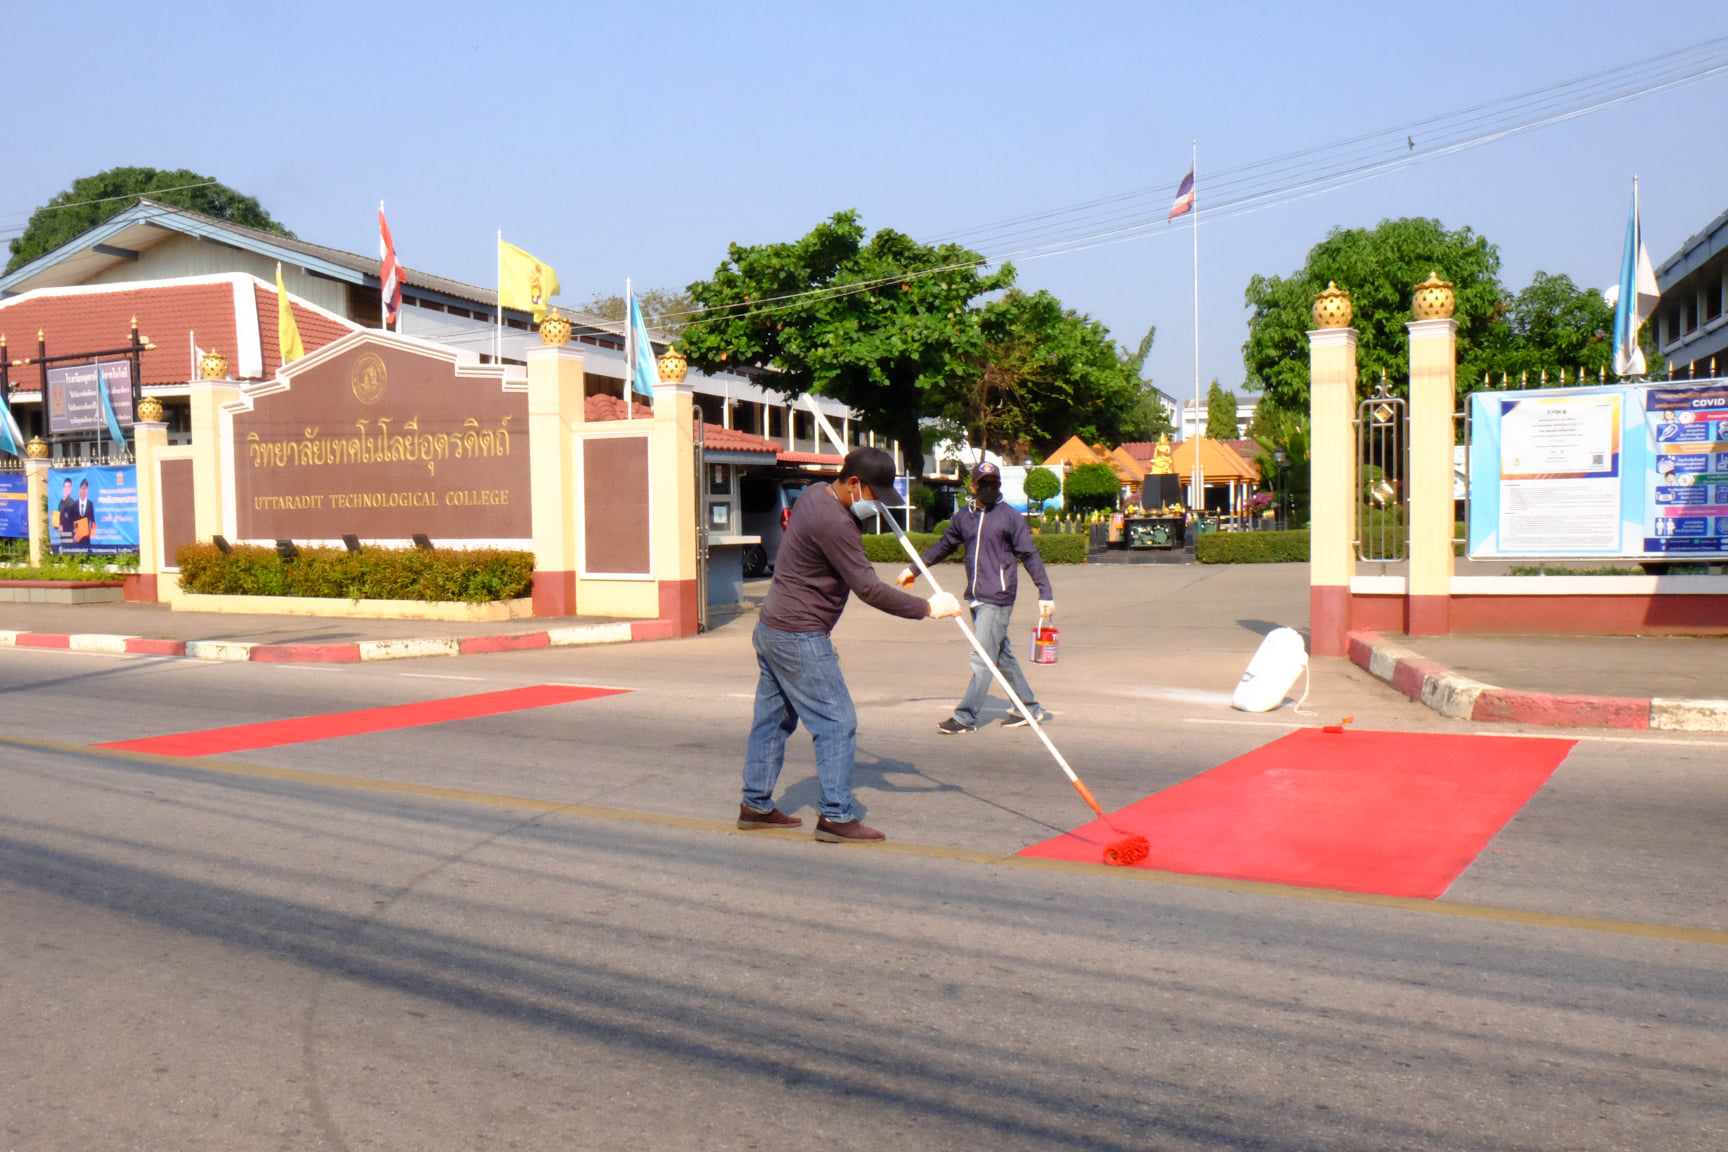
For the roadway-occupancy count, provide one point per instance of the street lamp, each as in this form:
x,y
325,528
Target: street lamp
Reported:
x,y
1279,486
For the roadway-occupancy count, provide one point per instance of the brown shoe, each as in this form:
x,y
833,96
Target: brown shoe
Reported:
x,y
749,818
850,831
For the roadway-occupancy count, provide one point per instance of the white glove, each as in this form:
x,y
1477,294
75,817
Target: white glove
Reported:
x,y
943,605
1046,607
905,578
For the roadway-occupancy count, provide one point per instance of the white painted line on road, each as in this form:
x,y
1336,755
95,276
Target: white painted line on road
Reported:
x,y
1244,723
609,687
311,667
436,676
1491,730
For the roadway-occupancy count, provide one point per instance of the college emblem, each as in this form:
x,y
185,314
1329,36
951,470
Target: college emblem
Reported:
x,y
368,378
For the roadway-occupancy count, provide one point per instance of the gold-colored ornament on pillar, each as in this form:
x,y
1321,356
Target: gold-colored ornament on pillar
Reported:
x,y
1332,308
1434,299
555,329
150,410
37,449
673,366
213,365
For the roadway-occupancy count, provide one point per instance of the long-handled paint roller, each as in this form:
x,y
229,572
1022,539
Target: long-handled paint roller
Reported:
x,y
1131,848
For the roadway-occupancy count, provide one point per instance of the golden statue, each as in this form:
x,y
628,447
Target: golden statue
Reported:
x,y
1161,457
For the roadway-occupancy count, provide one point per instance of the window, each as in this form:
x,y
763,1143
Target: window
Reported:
x,y
776,422
1713,301
1690,308
803,427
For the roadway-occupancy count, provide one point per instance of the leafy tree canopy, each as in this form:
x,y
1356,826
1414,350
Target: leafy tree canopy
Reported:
x,y
884,325
1046,373
1220,413
1380,268
667,309
93,199
1041,485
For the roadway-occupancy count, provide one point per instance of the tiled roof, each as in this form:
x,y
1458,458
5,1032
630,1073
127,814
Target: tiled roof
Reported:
x,y
731,440
1141,450
1218,460
817,458
170,315
604,406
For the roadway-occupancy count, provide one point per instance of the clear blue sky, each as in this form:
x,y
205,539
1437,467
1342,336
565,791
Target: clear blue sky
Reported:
x,y
639,140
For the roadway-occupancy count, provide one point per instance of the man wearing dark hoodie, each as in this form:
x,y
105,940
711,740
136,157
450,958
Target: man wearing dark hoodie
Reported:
x,y
997,542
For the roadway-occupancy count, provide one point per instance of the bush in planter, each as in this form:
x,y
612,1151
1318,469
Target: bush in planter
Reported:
x,y
1093,487
1252,547
1042,485
476,575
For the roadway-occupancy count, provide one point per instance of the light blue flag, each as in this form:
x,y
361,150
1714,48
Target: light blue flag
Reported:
x,y
646,371
11,437
114,430
1635,297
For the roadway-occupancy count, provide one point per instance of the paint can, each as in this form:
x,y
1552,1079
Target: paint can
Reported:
x,y
1044,641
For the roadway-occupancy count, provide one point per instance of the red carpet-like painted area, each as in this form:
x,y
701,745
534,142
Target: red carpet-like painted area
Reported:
x,y
1393,813
300,729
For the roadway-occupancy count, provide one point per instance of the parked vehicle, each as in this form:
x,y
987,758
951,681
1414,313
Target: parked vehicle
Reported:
x,y
766,504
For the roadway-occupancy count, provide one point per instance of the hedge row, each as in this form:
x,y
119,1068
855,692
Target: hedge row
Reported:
x,y
1253,547
1055,549
475,576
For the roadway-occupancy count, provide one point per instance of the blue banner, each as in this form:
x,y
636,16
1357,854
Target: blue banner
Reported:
x,y
93,511
14,506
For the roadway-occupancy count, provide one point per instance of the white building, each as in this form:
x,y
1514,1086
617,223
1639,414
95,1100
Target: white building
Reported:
x,y
1194,421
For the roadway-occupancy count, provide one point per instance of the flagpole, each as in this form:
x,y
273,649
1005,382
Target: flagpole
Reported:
x,y
1197,477
629,351
498,339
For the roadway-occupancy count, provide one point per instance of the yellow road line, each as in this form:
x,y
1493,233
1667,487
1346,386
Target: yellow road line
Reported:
x,y
926,851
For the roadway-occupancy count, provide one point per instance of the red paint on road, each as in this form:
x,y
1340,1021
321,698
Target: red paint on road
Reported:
x,y
1392,813
298,730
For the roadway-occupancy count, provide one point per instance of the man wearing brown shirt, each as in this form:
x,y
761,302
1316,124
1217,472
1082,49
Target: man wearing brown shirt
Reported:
x,y
821,562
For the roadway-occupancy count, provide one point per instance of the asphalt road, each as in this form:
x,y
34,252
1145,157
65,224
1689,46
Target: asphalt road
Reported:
x,y
532,930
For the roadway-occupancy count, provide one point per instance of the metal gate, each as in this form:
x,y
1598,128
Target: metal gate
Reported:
x,y
1382,462
699,443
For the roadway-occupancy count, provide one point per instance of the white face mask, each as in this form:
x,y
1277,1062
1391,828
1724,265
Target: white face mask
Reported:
x,y
865,509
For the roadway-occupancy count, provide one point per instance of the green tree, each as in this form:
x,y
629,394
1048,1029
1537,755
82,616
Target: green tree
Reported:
x,y
1046,373
884,325
1220,413
92,199
667,309
1380,268
1093,487
1042,485
1555,327
1281,431
1148,419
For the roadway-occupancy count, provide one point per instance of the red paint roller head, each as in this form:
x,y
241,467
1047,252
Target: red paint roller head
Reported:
x,y
1126,851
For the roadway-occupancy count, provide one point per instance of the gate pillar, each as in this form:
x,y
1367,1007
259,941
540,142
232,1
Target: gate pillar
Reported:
x,y
1433,399
1332,452
149,437
556,383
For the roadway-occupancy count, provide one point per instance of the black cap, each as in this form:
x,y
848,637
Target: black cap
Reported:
x,y
871,465
984,470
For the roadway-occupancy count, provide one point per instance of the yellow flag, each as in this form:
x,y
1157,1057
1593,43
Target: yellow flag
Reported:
x,y
524,282
287,332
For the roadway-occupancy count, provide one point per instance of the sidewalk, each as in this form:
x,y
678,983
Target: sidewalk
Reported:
x,y
154,630
1667,682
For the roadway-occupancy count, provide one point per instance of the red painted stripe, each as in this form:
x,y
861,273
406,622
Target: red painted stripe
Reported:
x,y
300,729
475,645
1397,813
653,630
306,653
41,640
144,646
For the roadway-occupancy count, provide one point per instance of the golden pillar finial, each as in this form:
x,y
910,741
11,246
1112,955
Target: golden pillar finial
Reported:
x,y
555,329
673,366
1332,308
1434,299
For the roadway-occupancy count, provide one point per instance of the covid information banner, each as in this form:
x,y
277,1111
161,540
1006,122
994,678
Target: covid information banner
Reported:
x,y
1687,506
14,506
92,511
1623,472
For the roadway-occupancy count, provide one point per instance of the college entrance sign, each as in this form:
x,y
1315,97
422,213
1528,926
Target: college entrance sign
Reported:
x,y
381,437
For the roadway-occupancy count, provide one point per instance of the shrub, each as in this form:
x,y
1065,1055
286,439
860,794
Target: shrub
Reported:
x,y
1041,485
883,548
1252,547
440,574
1093,486
1062,548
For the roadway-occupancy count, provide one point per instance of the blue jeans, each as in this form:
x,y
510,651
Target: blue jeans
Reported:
x,y
990,623
801,680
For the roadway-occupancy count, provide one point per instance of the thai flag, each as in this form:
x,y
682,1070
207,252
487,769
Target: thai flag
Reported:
x,y
389,272
1184,196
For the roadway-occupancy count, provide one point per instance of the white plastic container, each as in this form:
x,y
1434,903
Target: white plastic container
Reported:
x,y
1272,673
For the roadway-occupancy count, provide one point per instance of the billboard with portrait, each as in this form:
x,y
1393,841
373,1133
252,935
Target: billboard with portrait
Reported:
x,y
93,511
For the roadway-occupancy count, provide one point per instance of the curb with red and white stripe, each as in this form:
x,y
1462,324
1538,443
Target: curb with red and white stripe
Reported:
x,y
1450,694
618,632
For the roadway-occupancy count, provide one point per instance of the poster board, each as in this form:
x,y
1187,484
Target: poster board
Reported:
x,y
14,506
93,511
1634,471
